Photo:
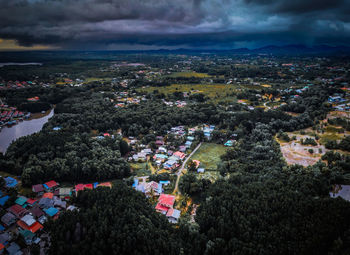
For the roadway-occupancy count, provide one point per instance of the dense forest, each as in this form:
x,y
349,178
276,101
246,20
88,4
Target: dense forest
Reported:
x,y
117,221
63,156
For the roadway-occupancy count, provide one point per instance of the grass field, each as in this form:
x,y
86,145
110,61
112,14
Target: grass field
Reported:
x,y
189,74
209,155
140,169
330,136
216,92
91,79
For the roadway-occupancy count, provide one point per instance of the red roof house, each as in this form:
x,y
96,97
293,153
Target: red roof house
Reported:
x,y
79,187
31,201
48,195
165,202
51,184
161,209
33,228
88,186
180,155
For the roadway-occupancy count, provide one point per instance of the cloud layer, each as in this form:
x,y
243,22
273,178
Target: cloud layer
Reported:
x,y
119,24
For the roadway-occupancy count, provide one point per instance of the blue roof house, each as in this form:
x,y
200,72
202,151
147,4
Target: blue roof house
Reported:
x,y
52,211
10,182
3,200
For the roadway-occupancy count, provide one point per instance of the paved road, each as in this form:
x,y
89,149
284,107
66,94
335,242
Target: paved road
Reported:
x,y
179,172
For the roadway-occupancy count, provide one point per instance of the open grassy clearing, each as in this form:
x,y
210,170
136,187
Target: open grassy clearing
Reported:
x,y
140,169
189,75
91,79
217,92
209,155
213,91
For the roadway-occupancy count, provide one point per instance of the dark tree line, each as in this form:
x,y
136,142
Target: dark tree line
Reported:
x,y
117,221
64,156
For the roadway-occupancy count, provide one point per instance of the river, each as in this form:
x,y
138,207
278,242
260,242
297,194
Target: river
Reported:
x,y
19,64
26,127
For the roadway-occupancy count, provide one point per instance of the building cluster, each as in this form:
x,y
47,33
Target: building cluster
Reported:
x,y
22,221
178,103
165,204
168,155
340,102
11,115
15,84
123,99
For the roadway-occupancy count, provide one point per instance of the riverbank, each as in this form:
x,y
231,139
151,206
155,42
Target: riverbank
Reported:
x,y
23,128
39,115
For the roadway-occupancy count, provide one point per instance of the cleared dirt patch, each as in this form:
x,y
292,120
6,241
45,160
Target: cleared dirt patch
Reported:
x,y
296,153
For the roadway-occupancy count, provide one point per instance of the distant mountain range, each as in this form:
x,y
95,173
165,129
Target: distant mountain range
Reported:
x,y
289,50
271,49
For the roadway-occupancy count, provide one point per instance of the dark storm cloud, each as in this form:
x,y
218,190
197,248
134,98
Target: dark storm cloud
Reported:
x,y
167,23
299,6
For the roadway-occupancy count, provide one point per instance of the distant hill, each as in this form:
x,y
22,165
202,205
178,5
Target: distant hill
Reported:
x,y
25,56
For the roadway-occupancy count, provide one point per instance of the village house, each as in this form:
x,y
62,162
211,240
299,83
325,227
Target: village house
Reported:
x,y
65,192
170,164
52,211
182,148
165,202
200,170
5,238
45,202
162,149
51,185
229,143
21,201
8,219
141,156
173,215
188,144
150,188
28,236
14,249
10,182
3,200
17,210
180,155
160,158
36,212
31,202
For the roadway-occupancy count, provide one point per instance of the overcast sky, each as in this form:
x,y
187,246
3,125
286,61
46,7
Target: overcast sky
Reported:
x,y
154,24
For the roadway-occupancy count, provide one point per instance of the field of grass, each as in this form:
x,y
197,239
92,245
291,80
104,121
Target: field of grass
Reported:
x,y
209,155
189,75
140,169
330,136
91,79
216,92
